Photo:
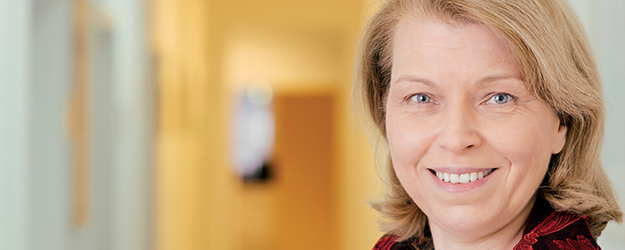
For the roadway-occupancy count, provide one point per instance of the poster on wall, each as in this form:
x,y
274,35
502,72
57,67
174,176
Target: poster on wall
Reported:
x,y
253,132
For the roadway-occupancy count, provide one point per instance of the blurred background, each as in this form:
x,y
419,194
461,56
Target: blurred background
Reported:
x,y
214,124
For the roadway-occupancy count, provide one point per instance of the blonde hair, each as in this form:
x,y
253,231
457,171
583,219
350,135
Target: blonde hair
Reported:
x,y
555,60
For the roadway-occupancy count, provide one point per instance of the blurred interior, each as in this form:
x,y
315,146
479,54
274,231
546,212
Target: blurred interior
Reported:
x,y
321,171
206,124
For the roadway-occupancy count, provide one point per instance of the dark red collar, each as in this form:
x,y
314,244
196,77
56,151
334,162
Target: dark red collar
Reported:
x,y
545,229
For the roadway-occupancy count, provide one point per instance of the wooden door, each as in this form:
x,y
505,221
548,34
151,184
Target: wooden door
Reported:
x,y
303,166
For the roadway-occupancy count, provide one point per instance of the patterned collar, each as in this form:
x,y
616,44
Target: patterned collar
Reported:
x,y
545,229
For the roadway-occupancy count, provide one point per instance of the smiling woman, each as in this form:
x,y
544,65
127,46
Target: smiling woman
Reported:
x,y
461,125
493,116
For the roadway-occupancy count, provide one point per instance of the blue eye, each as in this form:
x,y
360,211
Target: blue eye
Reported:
x,y
421,98
500,98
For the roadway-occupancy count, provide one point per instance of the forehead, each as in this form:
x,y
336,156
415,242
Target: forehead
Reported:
x,y
430,44
415,33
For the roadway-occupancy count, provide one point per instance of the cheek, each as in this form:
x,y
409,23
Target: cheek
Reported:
x,y
525,144
408,141
407,149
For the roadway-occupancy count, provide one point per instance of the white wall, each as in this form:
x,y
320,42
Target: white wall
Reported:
x,y
36,171
49,167
15,20
132,123
604,21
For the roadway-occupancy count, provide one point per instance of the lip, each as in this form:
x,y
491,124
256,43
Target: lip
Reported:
x,y
464,187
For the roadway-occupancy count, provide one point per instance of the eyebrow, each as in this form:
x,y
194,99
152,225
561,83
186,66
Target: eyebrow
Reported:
x,y
497,78
416,79
430,83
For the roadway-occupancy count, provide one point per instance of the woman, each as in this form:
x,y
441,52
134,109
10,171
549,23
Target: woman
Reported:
x,y
492,113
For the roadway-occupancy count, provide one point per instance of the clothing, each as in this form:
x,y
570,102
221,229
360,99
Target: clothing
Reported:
x,y
545,229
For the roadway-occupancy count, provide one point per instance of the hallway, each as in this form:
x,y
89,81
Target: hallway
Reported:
x,y
122,124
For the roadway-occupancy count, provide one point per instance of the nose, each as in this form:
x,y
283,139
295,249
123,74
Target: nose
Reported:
x,y
458,131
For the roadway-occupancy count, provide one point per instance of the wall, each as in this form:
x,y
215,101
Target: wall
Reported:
x,y
49,164
604,22
15,20
297,47
192,182
38,73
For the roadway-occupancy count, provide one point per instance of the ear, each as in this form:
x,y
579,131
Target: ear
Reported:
x,y
559,139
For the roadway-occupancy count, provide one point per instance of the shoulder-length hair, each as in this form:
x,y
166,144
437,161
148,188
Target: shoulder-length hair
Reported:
x,y
554,56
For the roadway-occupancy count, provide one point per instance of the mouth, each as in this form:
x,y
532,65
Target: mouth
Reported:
x,y
462,178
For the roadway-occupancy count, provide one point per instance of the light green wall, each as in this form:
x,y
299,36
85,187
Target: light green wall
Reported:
x,y
604,22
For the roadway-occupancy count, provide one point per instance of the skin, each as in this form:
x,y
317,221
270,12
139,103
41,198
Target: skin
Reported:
x,y
457,103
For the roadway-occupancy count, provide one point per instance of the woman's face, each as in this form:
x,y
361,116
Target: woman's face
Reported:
x,y
468,141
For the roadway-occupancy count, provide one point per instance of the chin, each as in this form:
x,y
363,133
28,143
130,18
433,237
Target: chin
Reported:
x,y
464,219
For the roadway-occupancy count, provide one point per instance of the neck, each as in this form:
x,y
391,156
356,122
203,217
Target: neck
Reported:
x,y
504,238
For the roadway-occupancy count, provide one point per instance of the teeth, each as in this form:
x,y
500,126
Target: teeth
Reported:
x,y
462,178
473,176
453,178
487,172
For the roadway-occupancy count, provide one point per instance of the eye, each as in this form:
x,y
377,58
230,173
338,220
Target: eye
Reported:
x,y
421,98
500,98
